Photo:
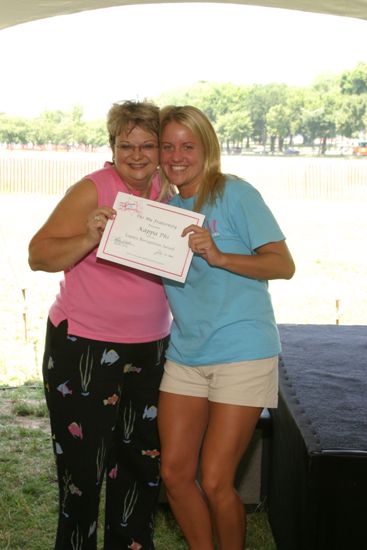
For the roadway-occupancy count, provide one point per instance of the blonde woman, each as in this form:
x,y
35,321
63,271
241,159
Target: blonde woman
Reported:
x,y
221,367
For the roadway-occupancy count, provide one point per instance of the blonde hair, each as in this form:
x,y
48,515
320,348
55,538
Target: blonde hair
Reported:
x,y
126,115
213,181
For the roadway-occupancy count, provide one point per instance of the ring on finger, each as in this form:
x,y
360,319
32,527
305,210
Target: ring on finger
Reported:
x,y
97,218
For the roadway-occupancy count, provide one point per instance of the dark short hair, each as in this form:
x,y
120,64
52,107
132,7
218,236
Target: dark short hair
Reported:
x,y
126,115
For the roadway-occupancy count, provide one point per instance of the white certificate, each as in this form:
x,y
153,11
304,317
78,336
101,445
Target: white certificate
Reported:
x,y
146,235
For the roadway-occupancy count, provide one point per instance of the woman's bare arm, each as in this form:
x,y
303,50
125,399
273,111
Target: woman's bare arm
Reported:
x,y
71,231
271,261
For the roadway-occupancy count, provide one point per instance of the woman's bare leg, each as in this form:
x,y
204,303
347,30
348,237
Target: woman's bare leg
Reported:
x,y
182,422
229,432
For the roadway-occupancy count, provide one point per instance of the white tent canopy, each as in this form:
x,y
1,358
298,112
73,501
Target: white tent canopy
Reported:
x,y
14,12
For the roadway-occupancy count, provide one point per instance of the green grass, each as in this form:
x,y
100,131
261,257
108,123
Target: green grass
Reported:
x,y
28,486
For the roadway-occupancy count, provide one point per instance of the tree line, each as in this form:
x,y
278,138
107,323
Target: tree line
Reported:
x,y
270,114
55,129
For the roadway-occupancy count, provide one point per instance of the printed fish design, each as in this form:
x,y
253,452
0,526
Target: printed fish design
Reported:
x,y
153,453
129,367
72,338
113,472
50,364
112,400
64,389
109,357
150,412
135,546
74,490
154,483
75,430
92,529
58,448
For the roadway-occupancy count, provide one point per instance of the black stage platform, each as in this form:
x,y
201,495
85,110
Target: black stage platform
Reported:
x,y
318,484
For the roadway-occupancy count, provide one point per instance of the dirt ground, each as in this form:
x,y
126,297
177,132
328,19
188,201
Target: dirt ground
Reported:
x,y
25,421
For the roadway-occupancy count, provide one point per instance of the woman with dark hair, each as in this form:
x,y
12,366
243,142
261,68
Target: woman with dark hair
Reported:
x,y
106,337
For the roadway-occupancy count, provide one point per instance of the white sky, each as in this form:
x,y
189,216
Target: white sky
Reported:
x,y
98,57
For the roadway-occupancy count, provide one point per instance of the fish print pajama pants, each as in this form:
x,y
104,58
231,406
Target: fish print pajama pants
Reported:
x,y
102,400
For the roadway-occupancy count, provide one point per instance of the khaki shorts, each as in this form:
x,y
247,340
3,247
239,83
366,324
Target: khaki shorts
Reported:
x,y
250,383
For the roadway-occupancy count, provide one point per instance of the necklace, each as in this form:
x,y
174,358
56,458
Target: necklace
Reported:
x,y
144,193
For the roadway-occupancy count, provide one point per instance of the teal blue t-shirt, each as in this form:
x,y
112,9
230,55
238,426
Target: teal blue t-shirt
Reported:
x,y
219,316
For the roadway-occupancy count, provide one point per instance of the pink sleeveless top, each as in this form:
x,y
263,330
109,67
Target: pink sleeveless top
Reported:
x,y
106,301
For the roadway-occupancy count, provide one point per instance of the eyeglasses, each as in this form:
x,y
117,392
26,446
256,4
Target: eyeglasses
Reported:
x,y
128,148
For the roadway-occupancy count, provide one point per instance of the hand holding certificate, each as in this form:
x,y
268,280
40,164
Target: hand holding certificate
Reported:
x,y
146,235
